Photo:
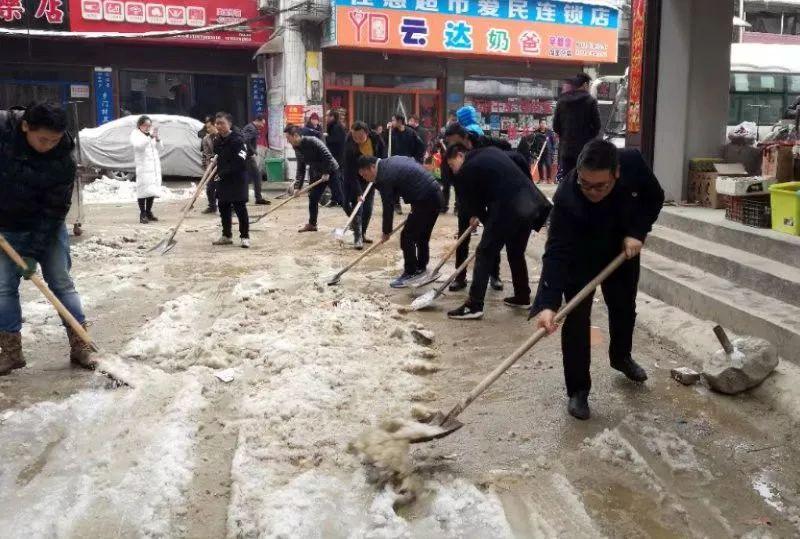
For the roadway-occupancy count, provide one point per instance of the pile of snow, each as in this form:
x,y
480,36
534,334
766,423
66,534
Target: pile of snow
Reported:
x,y
107,190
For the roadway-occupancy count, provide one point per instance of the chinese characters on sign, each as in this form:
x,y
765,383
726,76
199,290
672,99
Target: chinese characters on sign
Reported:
x,y
638,9
258,93
555,30
34,14
103,95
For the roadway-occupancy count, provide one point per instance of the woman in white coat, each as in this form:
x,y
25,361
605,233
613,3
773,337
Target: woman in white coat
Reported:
x,y
146,145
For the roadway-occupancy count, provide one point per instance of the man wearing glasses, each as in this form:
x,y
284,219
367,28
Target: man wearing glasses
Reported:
x,y
608,204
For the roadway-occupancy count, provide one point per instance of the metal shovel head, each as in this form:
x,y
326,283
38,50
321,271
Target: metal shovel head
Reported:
x,y
334,279
444,429
164,246
424,300
341,234
428,278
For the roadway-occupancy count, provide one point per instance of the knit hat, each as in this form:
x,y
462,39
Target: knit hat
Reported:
x,y
314,116
468,118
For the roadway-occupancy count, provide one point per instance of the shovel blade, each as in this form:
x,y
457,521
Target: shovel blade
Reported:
x,y
164,246
334,280
424,300
445,428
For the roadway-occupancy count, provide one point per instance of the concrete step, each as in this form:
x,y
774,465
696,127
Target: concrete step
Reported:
x,y
711,225
704,295
775,279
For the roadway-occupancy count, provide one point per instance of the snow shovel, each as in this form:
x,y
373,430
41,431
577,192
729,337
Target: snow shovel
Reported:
x,y
169,242
62,311
426,299
339,233
301,192
536,163
338,277
434,273
448,424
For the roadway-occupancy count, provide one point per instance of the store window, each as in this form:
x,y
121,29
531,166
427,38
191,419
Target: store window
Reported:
x,y
185,94
21,86
511,108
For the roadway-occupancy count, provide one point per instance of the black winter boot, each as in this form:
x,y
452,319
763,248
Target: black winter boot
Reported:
x,y
631,369
579,405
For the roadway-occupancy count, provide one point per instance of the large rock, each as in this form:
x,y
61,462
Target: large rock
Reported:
x,y
752,361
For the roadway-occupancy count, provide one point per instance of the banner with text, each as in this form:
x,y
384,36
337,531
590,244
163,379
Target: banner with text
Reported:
x,y
557,31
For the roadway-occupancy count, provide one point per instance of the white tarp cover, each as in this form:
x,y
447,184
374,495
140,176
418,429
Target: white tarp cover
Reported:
x,y
109,147
765,58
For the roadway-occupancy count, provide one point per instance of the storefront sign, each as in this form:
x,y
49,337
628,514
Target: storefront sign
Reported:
x,y
140,16
34,14
544,29
258,95
638,10
294,114
103,95
79,91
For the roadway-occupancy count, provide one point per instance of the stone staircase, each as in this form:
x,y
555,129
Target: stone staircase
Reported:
x,y
743,278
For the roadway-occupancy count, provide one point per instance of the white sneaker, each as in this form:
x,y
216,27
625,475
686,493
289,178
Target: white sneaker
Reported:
x,y
245,243
223,240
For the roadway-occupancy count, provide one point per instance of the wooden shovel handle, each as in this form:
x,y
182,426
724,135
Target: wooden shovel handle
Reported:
x,y
453,275
44,289
723,339
358,206
367,251
536,337
453,249
301,192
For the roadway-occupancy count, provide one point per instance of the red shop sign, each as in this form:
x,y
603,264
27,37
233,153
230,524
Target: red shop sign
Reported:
x,y
162,15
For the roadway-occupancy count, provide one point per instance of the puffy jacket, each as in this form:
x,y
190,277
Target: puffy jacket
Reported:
x,y
231,154
401,176
576,121
35,188
407,143
583,237
335,141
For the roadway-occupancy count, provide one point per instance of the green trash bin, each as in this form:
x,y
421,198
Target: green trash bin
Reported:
x,y
274,168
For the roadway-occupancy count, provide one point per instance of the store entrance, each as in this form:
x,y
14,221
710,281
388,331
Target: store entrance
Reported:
x,y
378,108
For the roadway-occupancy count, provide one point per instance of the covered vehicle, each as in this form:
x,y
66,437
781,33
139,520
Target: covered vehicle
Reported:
x,y
108,147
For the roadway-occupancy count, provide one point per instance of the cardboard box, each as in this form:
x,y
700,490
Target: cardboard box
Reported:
x,y
703,185
743,186
778,163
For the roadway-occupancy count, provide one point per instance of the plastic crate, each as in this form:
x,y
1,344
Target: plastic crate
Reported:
x,y
786,207
749,210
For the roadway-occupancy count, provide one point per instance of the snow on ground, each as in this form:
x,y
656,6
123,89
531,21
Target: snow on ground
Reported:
x,y
99,461
107,190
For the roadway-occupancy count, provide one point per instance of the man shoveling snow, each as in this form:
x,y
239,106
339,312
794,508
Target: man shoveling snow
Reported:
x,y
37,174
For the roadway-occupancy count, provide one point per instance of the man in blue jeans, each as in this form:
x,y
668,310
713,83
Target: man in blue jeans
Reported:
x,y
37,174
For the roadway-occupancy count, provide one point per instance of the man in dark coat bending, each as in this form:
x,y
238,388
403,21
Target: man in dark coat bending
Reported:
x,y
402,176
498,193
607,205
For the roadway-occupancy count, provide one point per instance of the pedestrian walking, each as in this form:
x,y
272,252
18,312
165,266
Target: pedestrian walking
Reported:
x,y
37,177
360,142
231,151
576,121
207,152
312,152
403,176
605,206
146,147
250,133
498,194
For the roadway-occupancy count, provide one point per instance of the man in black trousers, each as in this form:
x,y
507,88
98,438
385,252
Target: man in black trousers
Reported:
x,y
576,121
498,193
312,151
607,205
403,176
360,141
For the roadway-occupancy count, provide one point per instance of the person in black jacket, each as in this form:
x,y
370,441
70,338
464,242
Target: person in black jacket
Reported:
x,y
404,177
606,206
360,141
312,152
232,154
405,140
37,175
497,192
576,121
335,136
250,133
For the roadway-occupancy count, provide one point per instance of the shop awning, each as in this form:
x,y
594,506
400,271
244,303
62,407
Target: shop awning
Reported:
x,y
738,21
765,58
274,45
